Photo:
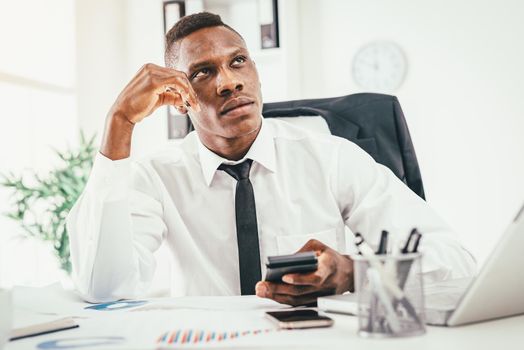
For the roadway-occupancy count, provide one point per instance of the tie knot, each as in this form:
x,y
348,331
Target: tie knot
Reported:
x,y
238,171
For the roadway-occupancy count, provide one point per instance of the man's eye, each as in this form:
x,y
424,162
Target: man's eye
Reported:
x,y
200,73
239,59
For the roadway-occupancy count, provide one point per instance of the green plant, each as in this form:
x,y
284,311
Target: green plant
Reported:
x,y
41,207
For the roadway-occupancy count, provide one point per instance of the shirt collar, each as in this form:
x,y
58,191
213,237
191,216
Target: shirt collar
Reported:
x,y
261,151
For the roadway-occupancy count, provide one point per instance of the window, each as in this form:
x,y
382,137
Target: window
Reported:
x,y
37,113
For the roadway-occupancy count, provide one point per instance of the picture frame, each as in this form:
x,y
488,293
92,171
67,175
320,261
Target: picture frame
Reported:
x,y
178,125
173,10
268,19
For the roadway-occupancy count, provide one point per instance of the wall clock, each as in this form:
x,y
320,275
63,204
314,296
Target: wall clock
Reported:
x,y
379,67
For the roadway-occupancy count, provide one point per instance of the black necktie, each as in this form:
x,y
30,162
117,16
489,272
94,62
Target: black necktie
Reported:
x,y
247,231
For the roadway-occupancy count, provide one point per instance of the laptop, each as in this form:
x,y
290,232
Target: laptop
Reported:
x,y
496,292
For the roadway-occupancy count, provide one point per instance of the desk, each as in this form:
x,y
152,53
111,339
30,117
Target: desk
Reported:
x,y
140,329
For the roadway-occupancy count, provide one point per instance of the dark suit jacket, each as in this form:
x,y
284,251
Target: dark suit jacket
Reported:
x,y
375,122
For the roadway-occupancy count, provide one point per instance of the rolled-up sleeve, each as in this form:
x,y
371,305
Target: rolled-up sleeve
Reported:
x,y
114,228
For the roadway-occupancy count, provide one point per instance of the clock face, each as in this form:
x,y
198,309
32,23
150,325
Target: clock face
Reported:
x,y
379,67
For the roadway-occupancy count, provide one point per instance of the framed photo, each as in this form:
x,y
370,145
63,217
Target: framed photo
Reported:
x,y
268,19
173,11
178,125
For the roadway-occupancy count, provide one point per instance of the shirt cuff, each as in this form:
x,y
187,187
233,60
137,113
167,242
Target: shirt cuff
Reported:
x,y
110,178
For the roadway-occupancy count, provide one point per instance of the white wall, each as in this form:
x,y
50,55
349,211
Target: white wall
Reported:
x,y
462,96
101,57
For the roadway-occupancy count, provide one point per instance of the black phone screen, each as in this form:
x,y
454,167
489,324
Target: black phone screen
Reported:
x,y
297,315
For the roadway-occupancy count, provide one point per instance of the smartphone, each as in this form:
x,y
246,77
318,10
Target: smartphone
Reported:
x,y
278,266
302,318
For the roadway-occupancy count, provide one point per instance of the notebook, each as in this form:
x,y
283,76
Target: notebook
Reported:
x,y
43,328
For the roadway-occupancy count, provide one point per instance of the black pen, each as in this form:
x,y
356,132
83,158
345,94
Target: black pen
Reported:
x,y
383,245
412,243
411,246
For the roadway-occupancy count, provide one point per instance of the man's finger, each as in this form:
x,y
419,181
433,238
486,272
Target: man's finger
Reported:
x,y
180,84
294,300
173,99
187,94
288,289
176,83
305,279
313,245
169,98
315,278
306,299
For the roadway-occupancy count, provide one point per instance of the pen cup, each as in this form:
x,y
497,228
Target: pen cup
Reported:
x,y
5,316
390,296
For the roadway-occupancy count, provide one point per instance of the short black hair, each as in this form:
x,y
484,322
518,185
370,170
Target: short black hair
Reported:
x,y
188,25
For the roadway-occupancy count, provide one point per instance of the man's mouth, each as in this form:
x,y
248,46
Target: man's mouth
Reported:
x,y
235,103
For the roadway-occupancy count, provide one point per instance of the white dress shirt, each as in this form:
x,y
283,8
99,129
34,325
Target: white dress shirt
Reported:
x,y
306,185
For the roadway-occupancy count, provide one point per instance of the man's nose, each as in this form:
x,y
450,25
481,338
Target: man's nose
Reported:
x,y
228,82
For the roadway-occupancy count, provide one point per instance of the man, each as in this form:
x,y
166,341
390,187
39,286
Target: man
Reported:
x,y
238,190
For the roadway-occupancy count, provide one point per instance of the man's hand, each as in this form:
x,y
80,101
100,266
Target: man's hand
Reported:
x,y
153,86
334,275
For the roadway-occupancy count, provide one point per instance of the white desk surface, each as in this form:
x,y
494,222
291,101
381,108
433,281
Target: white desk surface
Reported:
x,y
141,329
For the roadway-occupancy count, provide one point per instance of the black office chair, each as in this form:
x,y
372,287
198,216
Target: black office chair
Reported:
x,y
375,122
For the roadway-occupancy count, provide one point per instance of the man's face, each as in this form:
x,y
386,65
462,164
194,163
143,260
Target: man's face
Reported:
x,y
225,80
